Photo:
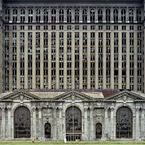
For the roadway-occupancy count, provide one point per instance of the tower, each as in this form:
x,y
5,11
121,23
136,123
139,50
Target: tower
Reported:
x,y
1,48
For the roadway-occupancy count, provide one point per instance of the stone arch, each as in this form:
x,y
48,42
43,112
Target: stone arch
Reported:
x,y
22,122
73,123
124,122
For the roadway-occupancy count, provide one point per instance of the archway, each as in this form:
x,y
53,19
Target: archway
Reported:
x,y
124,123
47,128
73,123
98,131
22,123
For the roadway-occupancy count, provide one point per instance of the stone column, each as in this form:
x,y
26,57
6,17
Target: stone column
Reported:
x,y
112,20
49,60
33,60
18,60
73,15
57,15
26,16
85,124
127,62
9,122
26,61
54,124
18,16
80,61
65,15
119,15
41,15
96,15
3,123
96,59
134,14
137,123
104,60
34,123
106,123
34,16
41,61
88,15
49,15
88,61
112,122
112,60
104,15
142,123
80,16
40,123
91,125
127,15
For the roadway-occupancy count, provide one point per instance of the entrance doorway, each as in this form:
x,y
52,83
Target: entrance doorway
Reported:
x,y
73,124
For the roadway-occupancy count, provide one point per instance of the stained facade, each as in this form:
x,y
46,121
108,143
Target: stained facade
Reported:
x,y
57,58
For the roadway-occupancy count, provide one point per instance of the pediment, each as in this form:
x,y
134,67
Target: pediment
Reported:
x,y
73,95
126,96
19,95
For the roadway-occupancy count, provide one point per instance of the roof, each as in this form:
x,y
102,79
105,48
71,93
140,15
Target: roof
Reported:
x,y
73,1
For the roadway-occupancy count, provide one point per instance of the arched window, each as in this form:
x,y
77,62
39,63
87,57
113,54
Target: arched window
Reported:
x,y
123,15
69,16
61,15
77,16
124,123
7,15
47,128
100,15
45,15
38,16
53,15
98,130
108,15
22,15
115,15
131,15
22,123
15,15
92,15
30,15
73,123
84,16
138,15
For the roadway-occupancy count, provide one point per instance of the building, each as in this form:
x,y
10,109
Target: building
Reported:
x,y
72,69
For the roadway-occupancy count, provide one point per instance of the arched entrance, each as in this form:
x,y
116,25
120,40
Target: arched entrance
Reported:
x,y
22,123
47,128
124,123
73,123
98,131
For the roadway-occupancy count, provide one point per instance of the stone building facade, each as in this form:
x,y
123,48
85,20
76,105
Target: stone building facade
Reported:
x,y
72,115
58,57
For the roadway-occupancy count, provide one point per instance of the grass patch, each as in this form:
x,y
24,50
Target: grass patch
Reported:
x,y
71,143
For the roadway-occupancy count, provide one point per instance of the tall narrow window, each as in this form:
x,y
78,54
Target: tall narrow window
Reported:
x,y
131,15
38,16
45,15
61,15
22,15
138,15
30,16
53,15
84,15
92,15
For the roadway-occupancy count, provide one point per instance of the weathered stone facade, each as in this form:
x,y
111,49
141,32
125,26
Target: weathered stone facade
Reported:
x,y
52,107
